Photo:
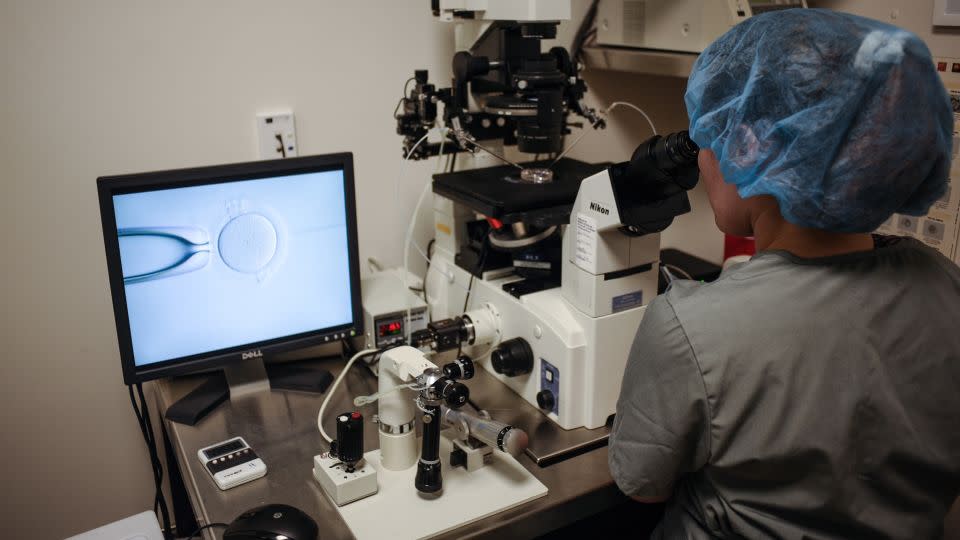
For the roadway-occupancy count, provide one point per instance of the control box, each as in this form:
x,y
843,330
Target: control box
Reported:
x,y
385,302
340,483
232,462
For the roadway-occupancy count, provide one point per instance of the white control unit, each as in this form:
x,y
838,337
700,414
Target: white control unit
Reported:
x,y
232,462
386,299
340,484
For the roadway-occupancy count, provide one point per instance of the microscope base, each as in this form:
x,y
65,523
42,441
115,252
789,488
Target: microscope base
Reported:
x,y
399,511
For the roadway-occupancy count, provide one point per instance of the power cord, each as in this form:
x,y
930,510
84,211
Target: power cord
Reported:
x,y
146,428
197,532
480,260
333,388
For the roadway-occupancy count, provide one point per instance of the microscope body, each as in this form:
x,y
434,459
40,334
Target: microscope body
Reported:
x,y
568,265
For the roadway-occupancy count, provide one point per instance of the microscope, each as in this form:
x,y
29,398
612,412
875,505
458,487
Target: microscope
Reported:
x,y
566,253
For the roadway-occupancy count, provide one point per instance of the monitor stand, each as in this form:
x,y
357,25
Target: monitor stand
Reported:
x,y
244,378
236,380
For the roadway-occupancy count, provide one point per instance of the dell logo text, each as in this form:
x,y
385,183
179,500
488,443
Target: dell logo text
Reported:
x,y
251,354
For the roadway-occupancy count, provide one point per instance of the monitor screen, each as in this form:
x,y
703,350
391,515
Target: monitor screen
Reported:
x,y
216,261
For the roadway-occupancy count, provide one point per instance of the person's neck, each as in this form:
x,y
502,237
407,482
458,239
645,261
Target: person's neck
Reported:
x,y
772,232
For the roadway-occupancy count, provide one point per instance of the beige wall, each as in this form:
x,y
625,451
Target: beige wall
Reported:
x,y
110,86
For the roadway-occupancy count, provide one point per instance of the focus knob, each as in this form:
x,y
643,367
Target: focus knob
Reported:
x,y
455,395
512,358
546,400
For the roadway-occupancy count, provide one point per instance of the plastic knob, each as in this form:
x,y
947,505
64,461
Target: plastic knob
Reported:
x,y
545,400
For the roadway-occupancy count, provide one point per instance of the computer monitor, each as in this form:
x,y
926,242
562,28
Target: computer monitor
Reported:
x,y
216,265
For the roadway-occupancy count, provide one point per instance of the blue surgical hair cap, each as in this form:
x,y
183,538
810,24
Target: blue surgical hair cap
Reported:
x,y
842,119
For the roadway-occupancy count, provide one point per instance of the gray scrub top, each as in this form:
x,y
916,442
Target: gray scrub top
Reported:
x,y
799,398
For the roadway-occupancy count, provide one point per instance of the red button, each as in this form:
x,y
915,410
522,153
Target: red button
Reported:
x,y
941,66
956,68
355,416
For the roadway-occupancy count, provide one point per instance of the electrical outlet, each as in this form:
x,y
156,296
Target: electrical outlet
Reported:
x,y
344,486
276,135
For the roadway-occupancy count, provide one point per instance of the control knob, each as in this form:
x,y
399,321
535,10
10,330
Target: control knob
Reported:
x,y
545,400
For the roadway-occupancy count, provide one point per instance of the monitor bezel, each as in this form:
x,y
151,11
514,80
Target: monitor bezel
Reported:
x,y
109,186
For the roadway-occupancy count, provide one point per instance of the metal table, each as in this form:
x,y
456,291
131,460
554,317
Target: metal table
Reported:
x,y
281,427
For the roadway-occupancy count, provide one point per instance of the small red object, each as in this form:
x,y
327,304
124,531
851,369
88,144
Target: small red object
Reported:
x,y
736,245
495,223
355,415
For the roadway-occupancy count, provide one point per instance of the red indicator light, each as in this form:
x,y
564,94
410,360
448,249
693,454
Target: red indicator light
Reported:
x,y
392,328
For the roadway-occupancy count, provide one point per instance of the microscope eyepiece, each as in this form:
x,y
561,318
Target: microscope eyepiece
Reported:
x,y
666,153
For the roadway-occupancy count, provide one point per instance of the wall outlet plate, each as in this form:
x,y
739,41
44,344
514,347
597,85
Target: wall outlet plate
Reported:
x,y
341,486
276,135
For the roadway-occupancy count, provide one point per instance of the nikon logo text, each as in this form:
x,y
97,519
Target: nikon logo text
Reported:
x,y
597,208
251,354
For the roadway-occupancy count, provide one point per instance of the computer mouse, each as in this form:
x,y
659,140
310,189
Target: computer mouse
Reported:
x,y
271,522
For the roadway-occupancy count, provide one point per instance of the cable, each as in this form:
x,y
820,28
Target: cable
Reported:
x,y
197,532
492,153
426,275
672,268
146,429
333,388
606,112
583,31
159,503
402,96
480,260
616,104
159,500
374,264
408,238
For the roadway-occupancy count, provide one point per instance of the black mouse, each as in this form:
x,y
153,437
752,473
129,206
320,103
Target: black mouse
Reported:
x,y
270,522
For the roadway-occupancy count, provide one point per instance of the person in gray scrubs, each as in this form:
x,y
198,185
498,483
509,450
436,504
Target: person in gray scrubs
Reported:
x,y
813,391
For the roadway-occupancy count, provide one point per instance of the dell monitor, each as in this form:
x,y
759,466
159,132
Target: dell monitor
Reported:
x,y
216,267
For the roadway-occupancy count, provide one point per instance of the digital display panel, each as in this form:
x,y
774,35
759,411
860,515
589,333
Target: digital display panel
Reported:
x,y
223,449
388,329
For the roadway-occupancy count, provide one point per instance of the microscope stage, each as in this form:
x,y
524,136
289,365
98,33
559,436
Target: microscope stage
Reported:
x,y
496,192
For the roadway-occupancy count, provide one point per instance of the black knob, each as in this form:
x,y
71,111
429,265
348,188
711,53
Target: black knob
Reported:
x,y
512,357
428,479
349,443
461,368
545,400
455,395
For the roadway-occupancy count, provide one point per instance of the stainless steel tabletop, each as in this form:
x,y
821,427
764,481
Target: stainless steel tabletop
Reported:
x,y
281,426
